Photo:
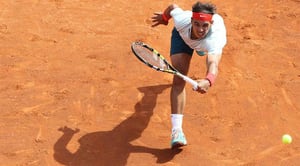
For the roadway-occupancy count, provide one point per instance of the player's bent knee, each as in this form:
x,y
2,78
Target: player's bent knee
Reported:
x,y
178,82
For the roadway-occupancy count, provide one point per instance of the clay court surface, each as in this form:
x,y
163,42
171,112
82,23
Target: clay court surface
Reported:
x,y
72,93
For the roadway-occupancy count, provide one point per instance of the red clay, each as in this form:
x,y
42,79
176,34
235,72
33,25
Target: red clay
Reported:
x,y
72,93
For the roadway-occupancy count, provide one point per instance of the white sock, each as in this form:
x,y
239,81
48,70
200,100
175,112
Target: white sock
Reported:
x,y
176,120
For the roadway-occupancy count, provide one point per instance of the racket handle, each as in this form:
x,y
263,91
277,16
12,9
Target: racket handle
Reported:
x,y
189,80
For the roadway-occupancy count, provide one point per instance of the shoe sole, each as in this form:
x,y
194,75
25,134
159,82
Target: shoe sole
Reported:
x,y
177,145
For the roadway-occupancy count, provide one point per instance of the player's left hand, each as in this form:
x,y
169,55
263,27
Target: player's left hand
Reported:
x,y
203,86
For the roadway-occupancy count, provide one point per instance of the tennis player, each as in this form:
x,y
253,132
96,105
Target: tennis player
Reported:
x,y
202,30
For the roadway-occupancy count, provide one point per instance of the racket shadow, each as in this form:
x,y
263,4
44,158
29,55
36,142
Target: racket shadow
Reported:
x,y
114,147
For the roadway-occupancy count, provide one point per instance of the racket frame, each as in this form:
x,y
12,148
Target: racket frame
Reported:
x,y
170,69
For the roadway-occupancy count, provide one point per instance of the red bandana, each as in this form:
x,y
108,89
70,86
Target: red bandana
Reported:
x,y
202,16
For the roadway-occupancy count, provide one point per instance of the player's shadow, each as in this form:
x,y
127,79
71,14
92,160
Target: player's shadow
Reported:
x,y
113,147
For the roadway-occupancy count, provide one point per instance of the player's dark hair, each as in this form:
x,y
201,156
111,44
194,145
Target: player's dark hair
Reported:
x,y
208,8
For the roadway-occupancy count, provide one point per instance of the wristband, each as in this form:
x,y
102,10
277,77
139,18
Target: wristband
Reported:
x,y
165,17
211,78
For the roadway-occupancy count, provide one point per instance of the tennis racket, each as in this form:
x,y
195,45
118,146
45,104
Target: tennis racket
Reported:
x,y
155,60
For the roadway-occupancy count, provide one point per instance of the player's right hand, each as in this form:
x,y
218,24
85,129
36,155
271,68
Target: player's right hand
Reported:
x,y
157,19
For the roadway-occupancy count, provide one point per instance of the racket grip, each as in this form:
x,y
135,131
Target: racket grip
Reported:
x,y
191,81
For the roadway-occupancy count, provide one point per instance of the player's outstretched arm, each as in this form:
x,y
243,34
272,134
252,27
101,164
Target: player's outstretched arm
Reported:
x,y
163,17
212,63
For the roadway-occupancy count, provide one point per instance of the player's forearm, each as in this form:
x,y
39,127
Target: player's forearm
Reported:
x,y
167,11
212,67
212,63
212,71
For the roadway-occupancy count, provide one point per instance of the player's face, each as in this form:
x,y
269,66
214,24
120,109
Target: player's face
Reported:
x,y
200,28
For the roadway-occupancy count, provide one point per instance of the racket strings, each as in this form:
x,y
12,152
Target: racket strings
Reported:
x,y
151,57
